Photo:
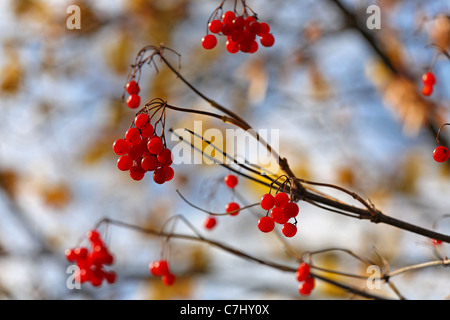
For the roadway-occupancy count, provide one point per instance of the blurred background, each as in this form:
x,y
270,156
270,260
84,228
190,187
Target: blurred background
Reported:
x,y
345,99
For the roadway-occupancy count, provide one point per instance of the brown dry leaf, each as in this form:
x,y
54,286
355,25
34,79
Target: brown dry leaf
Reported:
x,y
321,89
11,75
8,181
440,31
56,195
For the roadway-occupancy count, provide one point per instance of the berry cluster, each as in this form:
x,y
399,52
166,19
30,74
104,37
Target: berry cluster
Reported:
x,y
133,100
143,151
281,211
160,268
428,80
241,32
90,263
303,276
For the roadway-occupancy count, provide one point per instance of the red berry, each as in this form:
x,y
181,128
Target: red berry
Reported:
x,y
110,277
132,87
278,215
232,46
159,176
168,279
80,253
267,40
165,157
266,224
232,206
303,272
133,136
147,131
253,47
306,286
264,28
210,222
428,78
231,181
209,41
238,22
267,201
159,268
136,172
155,145
141,120
228,17
227,29
94,236
441,154
215,26
289,230
427,90
121,147
149,163
254,27
281,199
70,255
169,172
291,209
133,101
136,151
124,163
436,242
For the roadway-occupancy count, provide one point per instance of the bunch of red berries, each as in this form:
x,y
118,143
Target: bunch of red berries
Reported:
x,y
241,33
90,263
281,211
160,268
303,276
133,100
143,151
428,80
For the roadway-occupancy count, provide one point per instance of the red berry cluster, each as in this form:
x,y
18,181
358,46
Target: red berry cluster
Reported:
x,y
133,100
241,32
428,80
160,268
90,263
143,151
281,211
303,276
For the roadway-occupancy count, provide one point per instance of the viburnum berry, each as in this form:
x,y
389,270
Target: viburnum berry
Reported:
x,y
264,28
132,87
231,181
303,272
159,176
266,224
159,268
93,236
147,131
441,154
170,173
428,78
289,229
232,46
70,255
141,120
210,222
267,201
215,26
149,162
155,145
436,242
281,199
133,101
267,40
133,136
427,90
232,206
291,209
168,279
228,17
124,163
136,172
306,286
121,147
209,41
165,157
278,215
